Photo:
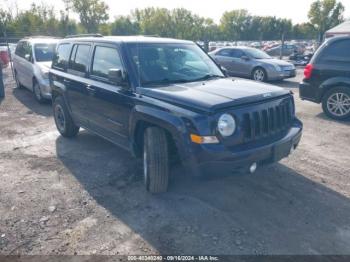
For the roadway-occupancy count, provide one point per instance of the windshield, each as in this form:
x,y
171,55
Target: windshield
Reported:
x,y
257,54
171,63
44,52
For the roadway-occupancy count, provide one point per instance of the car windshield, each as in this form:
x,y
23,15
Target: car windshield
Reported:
x,y
257,54
172,63
44,52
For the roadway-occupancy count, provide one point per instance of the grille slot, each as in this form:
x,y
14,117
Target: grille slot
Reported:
x,y
267,122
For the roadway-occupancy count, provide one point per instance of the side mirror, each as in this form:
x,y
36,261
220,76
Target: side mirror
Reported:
x,y
245,58
28,57
224,70
116,76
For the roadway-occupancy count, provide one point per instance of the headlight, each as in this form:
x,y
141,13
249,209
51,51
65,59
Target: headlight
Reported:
x,y
226,125
277,67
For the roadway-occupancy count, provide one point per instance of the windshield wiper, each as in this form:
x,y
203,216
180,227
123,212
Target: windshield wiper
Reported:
x,y
165,81
207,77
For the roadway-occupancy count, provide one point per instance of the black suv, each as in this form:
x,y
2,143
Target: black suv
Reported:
x,y
327,78
160,98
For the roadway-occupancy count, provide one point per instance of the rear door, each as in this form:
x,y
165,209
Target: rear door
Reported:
x,y
22,65
77,82
224,58
109,104
239,65
333,61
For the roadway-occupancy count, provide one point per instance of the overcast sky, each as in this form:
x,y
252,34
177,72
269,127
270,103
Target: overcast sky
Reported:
x,y
293,9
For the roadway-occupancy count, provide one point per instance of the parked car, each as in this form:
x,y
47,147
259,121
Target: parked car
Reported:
x,y
252,63
160,98
287,50
31,62
327,78
4,57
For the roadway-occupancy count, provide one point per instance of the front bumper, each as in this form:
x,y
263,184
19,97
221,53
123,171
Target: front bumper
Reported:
x,y
45,88
282,75
214,158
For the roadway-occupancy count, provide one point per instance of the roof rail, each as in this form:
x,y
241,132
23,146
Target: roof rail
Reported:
x,y
84,35
41,36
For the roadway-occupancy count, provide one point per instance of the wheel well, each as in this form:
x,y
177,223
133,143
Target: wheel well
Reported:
x,y
346,85
141,126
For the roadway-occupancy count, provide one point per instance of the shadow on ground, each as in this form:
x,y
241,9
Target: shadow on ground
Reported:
x,y
26,97
323,116
275,211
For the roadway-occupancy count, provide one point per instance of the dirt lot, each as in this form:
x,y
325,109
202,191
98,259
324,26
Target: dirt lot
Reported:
x,y
85,195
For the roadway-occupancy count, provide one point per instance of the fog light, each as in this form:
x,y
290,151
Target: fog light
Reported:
x,y
253,168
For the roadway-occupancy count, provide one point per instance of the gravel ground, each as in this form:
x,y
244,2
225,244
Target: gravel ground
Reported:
x,y
85,195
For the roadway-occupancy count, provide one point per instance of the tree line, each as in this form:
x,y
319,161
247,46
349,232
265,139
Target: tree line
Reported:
x,y
235,25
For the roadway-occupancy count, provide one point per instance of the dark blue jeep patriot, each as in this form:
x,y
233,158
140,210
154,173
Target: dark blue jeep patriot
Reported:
x,y
160,98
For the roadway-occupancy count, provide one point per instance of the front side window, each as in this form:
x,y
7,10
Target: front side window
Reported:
x,y
79,60
236,53
257,54
225,52
20,49
171,63
44,52
61,58
105,58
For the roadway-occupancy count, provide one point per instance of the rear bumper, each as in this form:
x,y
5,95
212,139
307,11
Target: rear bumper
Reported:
x,y
306,92
215,158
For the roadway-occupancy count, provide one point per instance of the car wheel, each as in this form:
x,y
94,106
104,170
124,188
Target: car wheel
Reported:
x,y
259,74
336,103
63,119
155,160
37,92
18,83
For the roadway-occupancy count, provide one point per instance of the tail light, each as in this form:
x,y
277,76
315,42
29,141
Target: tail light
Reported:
x,y
308,71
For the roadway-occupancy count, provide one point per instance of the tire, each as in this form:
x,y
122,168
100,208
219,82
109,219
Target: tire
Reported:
x,y
37,92
336,103
155,160
18,83
63,119
259,74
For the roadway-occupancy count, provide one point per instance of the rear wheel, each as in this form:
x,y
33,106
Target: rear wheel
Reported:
x,y
155,160
336,103
259,74
63,120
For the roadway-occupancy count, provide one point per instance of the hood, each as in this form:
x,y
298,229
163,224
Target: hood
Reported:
x,y
216,94
275,62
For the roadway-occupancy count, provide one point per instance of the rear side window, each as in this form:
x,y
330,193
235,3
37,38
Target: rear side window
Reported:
x,y
61,58
225,52
79,60
105,58
337,52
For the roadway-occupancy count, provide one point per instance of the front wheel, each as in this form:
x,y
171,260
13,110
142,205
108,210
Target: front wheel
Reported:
x,y
336,103
155,160
37,93
259,74
63,120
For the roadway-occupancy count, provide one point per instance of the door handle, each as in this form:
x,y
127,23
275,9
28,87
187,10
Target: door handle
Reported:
x,y
90,88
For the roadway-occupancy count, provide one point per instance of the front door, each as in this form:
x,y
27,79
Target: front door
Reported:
x,y
109,104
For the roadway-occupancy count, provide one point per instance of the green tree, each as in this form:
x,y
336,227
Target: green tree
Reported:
x,y
92,13
124,25
325,14
234,23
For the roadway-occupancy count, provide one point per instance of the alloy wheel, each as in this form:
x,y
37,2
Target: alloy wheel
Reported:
x,y
259,75
338,104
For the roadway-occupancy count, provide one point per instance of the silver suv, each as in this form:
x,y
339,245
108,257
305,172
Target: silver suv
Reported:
x,y
32,62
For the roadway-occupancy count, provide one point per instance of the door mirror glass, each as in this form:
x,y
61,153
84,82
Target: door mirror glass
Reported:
x,y
28,57
116,76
